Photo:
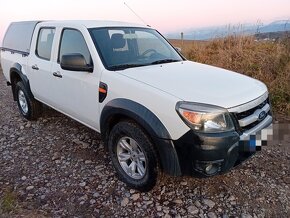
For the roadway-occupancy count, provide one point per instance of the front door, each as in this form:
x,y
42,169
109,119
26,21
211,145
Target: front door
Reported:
x,y
75,92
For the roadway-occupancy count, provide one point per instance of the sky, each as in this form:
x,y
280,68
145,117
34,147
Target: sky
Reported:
x,y
164,15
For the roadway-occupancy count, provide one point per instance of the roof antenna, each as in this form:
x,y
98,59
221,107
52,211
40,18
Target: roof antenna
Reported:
x,y
136,14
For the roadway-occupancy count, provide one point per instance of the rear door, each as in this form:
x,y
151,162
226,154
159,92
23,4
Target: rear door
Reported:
x,y
75,93
39,64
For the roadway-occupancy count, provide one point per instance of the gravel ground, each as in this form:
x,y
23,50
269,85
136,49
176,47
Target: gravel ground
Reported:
x,y
56,167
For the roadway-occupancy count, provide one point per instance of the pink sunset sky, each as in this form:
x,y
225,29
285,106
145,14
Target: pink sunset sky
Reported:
x,y
164,15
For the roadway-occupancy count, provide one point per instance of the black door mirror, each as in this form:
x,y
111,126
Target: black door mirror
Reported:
x,y
178,49
75,62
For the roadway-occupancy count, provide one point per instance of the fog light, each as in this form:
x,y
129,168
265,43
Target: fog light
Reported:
x,y
208,168
211,169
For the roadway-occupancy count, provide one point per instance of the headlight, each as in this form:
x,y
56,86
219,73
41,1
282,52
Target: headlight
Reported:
x,y
204,117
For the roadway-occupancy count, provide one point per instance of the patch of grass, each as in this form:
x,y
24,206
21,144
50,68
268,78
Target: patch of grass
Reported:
x,y
8,202
267,61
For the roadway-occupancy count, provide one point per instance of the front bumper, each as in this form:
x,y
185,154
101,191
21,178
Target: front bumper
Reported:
x,y
202,154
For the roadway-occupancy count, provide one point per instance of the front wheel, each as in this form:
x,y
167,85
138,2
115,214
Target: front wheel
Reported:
x,y
28,106
133,156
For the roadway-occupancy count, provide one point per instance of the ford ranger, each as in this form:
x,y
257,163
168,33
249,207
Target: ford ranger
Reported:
x,y
155,110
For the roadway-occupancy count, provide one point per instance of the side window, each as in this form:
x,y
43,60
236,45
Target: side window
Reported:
x,y
72,41
44,43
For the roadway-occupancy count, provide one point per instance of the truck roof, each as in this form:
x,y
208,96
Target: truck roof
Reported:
x,y
93,23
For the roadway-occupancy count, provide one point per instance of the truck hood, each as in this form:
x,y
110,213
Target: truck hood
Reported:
x,y
194,82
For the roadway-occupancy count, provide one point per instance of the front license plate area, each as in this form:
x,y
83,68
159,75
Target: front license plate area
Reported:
x,y
254,142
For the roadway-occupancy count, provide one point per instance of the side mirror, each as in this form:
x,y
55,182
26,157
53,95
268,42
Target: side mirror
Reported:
x,y
178,49
75,62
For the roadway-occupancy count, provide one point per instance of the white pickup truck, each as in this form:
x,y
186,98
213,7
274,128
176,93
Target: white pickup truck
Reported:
x,y
155,110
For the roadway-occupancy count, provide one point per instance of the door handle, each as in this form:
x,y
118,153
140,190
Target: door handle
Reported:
x,y
57,74
34,67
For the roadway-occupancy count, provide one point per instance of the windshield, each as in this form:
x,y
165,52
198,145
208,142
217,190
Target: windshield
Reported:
x,y
126,47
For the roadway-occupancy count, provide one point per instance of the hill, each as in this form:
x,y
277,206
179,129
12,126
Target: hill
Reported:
x,y
238,29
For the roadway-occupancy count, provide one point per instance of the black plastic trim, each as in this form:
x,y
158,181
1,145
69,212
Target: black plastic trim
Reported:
x,y
14,51
16,68
207,147
75,62
124,108
137,112
102,96
168,156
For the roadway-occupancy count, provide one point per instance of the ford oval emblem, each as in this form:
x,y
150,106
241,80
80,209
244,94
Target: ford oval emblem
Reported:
x,y
262,115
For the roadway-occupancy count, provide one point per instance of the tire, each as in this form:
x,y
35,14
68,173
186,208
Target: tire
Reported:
x,y
28,106
123,135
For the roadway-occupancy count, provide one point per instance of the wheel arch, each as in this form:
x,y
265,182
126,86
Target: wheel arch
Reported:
x,y
16,75
120,109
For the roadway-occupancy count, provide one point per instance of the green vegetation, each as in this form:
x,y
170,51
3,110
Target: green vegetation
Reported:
x,y
267,61
8,202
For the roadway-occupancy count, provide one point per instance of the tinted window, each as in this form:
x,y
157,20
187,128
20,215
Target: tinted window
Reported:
x,y
125,47
72,41
147,41
44,43
18,36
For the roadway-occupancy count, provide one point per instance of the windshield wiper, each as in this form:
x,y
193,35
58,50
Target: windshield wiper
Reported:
x,y
125,66
164,61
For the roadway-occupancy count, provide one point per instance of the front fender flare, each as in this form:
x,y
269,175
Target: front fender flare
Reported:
x,y
125,108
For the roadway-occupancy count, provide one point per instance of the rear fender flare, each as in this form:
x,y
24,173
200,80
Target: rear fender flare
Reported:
x,y
16,71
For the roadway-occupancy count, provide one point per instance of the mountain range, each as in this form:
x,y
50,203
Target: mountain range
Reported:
x,y
239,29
